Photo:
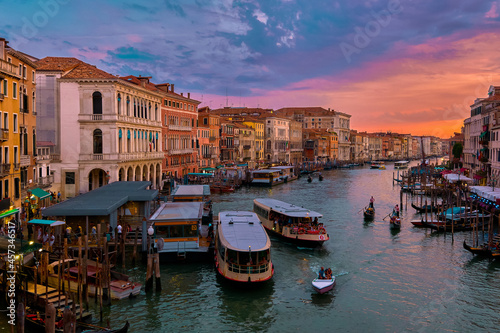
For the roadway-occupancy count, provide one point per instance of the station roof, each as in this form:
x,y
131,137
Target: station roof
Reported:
x,y
103,200
178,211
191,190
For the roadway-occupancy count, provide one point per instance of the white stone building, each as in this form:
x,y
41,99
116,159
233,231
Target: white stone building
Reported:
x,y
103,128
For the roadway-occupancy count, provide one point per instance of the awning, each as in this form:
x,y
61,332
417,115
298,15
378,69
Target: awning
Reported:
x,y
208,169
200,174
50,223
41,194
9,212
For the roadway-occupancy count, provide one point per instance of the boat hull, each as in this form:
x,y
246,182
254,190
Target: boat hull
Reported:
x,y
323,285
298,240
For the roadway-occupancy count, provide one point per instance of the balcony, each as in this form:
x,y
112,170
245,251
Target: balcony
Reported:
x,y
25,160
4,134
180,128
23,110
4,169
17,166
180,151
7,67
212,138
45,181
55,157
120,157
247,147
1,97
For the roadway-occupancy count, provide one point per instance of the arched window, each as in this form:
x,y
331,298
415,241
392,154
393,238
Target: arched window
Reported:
x,y
97,141
119,103
135,108
128,106
269,145
96,103
33,103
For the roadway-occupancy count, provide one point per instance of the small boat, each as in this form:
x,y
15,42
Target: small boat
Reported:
x,y
320,177
429,208
378,165
483,251
369,213
420,223
395,222
323,285
309,179
401,164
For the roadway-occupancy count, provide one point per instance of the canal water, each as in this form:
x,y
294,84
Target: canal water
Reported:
x,y
412,280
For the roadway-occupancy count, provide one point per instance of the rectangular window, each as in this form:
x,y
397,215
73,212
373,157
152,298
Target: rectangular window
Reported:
x,y
17,188
5,87
16,152
5,121
15,123
6,189
70,178
33,76
14,90
25,72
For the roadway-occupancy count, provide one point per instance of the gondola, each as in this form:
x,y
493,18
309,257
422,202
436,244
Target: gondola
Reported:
x,y
483,251
124,329
320,177
369,213
429,208
309,179
395,222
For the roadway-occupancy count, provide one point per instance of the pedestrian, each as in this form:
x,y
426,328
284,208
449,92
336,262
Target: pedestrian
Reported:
x,y
58,196
119,229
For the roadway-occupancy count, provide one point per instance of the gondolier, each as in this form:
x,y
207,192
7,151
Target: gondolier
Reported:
x,y
372,200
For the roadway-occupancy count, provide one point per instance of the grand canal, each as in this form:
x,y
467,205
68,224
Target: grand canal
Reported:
x,y
412,280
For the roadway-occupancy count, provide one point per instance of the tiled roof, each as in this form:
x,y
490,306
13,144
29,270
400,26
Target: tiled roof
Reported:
x,y
72,68
56,63
136,80
309,110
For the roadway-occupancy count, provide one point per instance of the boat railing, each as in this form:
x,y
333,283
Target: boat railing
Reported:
x,y
248,269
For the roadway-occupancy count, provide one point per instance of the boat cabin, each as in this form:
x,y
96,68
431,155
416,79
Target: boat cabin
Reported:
x,y
267,177
287,172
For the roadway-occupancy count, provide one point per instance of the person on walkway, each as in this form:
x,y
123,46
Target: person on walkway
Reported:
x,y
372,200
119,230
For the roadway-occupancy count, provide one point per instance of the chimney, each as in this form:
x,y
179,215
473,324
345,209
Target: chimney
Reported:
x,y
172,85
189,95
182,94
163,86
144,80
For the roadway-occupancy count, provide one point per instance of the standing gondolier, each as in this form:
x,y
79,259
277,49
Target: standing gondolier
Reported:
x,y
372,200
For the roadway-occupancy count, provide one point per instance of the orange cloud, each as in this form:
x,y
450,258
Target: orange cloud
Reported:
x,y
423,89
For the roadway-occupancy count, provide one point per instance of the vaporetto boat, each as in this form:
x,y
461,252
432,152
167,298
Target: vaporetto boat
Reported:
x,y
242,248
295,224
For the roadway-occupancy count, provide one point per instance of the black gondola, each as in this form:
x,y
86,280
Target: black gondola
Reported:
x,y
320,177
430,208
369,213
309,179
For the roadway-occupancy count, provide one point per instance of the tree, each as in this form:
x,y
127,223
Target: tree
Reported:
x,y
457,152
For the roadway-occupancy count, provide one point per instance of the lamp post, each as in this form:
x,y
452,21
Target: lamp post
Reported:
x,y
151,231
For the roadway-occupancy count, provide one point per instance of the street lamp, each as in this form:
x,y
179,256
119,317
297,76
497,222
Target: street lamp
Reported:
x,y
151,231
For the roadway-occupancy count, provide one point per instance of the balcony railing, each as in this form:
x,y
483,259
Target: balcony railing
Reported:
x,y
4,169
1,97
180,151
17,166
55,157
25,160
4,134
8,67
246,147
45,181
137,156
23,110
96,117
179,128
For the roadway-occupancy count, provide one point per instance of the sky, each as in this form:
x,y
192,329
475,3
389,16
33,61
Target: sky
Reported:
x,y
404,66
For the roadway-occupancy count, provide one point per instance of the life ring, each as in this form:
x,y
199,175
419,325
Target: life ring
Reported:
x,y
322,231
302,231
322,237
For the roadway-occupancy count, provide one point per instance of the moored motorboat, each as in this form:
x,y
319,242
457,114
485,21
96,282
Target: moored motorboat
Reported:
x,y
483,251
323,285
294,224
242,248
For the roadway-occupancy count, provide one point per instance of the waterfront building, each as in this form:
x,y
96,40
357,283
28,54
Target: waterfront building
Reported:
x,y
179,114
342,126
277,139
374,147
479,154
295,142
259,127
103,128
227,149
18,134
244,144
208,134
357,149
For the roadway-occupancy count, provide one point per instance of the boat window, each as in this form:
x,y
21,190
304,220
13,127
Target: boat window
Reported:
x,y
177,231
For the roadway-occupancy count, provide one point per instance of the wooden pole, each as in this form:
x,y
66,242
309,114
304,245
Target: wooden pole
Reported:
x,y
50,318
149,272
122,242
157,272
106,274
134,253
21,312
84,273
80,269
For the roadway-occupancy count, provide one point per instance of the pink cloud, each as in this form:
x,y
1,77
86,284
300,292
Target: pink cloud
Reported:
x,y
418,89
88,54
134,38
492,13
